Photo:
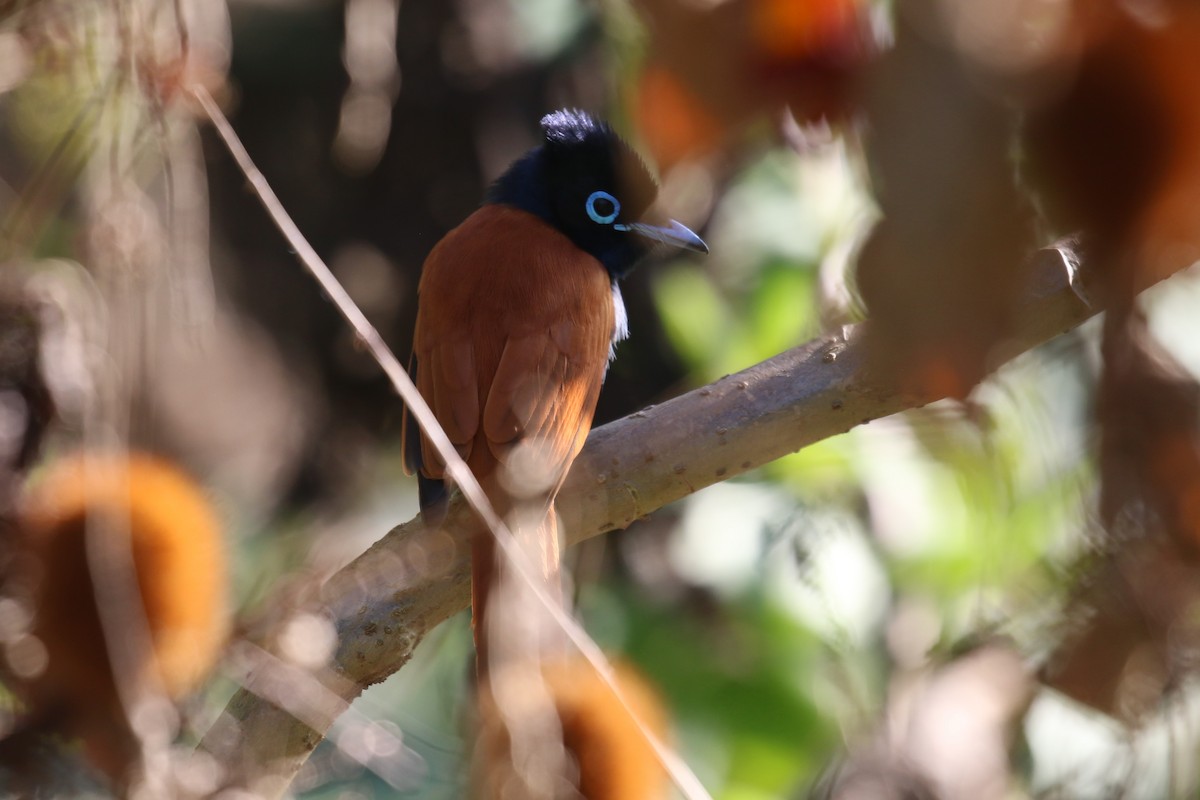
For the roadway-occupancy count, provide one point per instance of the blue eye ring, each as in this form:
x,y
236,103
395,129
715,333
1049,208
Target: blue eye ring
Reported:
x,y
603,219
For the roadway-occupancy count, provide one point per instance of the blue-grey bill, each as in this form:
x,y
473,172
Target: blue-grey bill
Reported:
x,y
674,233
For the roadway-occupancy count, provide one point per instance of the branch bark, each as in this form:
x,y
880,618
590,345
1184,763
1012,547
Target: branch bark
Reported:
x,y
384,602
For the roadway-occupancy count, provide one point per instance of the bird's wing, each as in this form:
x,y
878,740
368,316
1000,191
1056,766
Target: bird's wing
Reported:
x,y
431,488
544,393
447,379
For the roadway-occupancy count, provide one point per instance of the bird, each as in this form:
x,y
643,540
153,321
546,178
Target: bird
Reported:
x,y
518,315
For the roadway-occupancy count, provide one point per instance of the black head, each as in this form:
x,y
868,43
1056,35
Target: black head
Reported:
x,y
588,183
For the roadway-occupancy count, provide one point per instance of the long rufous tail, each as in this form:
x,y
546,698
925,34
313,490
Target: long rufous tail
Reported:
x,y
529,619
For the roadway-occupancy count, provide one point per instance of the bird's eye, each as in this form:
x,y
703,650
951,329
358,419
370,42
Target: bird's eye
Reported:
x,y
603,208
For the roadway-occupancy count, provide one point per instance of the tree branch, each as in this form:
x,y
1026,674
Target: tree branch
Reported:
x,y
384,602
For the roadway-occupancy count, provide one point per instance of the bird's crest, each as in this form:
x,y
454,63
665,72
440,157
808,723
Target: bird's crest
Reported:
x,y
573,126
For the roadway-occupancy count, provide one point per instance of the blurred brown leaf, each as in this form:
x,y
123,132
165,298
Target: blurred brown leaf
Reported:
x,y
713,70
612,758
1115,152
96,646
1132,632
941,272
1138,608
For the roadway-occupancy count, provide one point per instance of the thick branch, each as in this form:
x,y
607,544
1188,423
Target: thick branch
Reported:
x,y
383,603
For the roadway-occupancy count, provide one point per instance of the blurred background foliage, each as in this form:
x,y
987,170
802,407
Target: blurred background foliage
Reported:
x,y
864,618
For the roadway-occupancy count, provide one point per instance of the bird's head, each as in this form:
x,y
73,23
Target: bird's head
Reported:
x,y
591,185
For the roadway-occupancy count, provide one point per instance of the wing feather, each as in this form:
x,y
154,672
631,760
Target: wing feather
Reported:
x,y
457,393
544,393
